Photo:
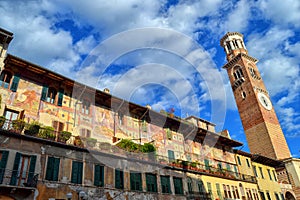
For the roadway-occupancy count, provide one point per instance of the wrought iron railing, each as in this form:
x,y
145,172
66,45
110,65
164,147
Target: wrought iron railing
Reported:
x,y
17,178
44,133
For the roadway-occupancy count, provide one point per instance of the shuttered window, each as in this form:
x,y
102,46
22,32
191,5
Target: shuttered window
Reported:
x,y
77,172
52,169
136,181
3,161
99,175
171,156
60,97
119,179
178,185
151,182
15,83
165,184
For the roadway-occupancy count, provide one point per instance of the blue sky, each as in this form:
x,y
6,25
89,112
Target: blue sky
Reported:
x,y
165,53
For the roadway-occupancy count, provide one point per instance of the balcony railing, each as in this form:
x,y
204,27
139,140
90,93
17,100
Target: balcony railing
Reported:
x,y
22,128
16,178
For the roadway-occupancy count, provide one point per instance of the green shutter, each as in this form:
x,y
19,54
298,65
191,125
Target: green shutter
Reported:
x,y
165,184
13,180
3,165
15,83
171,156
136,181
206,162
60,97
77,172
44,93
178,185
31,167
56,169
49,170
151,183
99,175
119,179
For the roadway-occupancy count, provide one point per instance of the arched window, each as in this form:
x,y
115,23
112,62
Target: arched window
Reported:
x,y
238,73
5,79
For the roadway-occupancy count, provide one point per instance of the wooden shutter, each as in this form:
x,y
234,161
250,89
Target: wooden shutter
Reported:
x,y
3,164
60,97
56,169
44,93
178,185
13,180
171,155
77,172
119,179
49,170
31,167
98,175
15,83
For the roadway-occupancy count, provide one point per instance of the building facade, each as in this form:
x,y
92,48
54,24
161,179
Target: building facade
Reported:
x,y
61,139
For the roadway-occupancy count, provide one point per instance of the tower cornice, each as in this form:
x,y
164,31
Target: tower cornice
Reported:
x,y
230,34
238,57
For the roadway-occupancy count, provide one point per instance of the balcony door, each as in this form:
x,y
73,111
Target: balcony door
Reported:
x,y
10,115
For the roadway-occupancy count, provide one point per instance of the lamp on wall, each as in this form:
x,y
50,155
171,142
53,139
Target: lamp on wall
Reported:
x,y
81,195
69,196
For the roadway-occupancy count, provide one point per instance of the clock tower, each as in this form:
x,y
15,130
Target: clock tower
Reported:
x,y
263,131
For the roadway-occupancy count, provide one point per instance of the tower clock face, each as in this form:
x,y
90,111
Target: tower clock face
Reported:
x,y
264,101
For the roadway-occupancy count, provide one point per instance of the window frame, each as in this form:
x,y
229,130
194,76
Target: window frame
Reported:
x,y
178,186
52,168
151,182
165,184
76,176
136,182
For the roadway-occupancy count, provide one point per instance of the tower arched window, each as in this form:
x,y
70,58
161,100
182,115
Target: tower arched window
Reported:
x,y
5,79
238,73
85,108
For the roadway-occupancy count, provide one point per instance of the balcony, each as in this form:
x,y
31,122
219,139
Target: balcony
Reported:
x,y
66,139
17,183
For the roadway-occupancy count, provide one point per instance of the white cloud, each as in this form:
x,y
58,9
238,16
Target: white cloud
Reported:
x,y
285,13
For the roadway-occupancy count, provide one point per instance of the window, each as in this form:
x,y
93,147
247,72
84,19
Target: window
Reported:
x,y
237,192
269,172
238,73
5,79
121,116
220,166
99,175
233,192
248,163
136,181
190,185
85,132
268,195
52,169
209,190
77,172
3,161
229,192
225,191
200,186
49,95
58,127
228,167
178,187
151,182
144,126
261,172
255,171
165,184
239,160
262,195
85,107
274,174
206,163
171,156
119,179
10,115
218,191
23,169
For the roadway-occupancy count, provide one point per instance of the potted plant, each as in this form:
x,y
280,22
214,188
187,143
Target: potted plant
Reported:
x,y
18,125
33,129
2,121
91,142
64,136
47,132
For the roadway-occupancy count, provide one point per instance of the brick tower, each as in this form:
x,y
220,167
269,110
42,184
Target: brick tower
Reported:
x,y
263,131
